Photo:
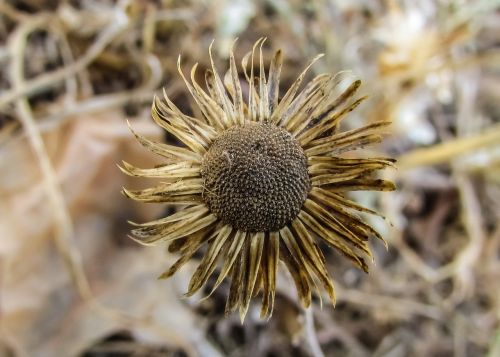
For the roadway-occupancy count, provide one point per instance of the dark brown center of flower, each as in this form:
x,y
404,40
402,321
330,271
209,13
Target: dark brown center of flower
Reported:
x,y
255,177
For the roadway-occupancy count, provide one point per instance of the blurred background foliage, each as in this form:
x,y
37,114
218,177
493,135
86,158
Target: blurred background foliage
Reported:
x,y
72,72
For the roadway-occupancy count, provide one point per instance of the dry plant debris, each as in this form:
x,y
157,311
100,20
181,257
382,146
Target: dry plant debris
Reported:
x,y
72,73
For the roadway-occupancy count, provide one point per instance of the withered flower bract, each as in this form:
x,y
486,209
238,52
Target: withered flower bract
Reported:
x,y
261,181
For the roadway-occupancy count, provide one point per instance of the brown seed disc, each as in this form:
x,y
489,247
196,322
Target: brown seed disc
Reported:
x,y
255,177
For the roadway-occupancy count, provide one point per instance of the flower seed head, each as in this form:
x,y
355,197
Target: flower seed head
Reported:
x,y
261,181
255,177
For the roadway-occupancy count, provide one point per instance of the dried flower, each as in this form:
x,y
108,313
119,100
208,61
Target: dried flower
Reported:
x,y
261,181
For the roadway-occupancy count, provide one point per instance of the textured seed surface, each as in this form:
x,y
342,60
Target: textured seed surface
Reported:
x,y
255,177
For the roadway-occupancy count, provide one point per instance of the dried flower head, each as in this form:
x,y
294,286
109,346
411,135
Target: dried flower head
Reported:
x,y
261,181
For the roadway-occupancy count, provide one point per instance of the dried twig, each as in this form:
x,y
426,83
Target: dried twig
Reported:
x,y
445,152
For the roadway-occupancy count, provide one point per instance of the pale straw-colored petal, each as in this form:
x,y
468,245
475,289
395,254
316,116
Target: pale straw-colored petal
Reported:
x,y
333,224
176,230
347,141
337,204
194,143
331,117
235,81
312,89
254,259
290,94
259,280
228,83
233,252
310,250
191,245
170,152
363,184
299,275
354,134
170,112
339,176
150,233
211,87
331,238
270,260
177,199
250,105
340,201
274,80
310,269
264,113
340,167
212,110
197,128
253,96
180,187
336,147
237,288
184,169
330,123
209,261
227,105
181,215
335,163
309,104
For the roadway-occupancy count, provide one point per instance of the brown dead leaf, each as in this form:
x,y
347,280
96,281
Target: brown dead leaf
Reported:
x,y
42,312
